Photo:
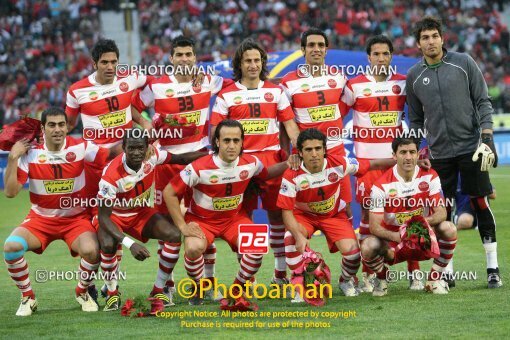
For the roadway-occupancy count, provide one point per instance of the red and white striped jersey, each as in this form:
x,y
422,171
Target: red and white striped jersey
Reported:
x,y
131,189
400,200
104,106
57,177
315,101
378,110
169,97
218,187
318,194
259,111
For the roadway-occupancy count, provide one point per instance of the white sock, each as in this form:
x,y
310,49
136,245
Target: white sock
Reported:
x,y
449,267
491,251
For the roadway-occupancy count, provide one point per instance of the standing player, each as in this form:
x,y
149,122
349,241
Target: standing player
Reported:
x,y
55,170
175,96
259,106
127,182
402,192
310,200
377,101
103,101
219,182
447,95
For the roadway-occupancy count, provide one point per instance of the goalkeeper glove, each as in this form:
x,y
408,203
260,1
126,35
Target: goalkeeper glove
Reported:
x,y
488,152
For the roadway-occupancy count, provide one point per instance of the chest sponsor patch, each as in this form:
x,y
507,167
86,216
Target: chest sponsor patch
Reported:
x,y
322,114
255,126
322,207
226,203
388,118
402,218
59,186
113,119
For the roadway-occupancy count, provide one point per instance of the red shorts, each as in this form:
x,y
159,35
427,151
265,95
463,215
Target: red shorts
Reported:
x,y
335,228
268,189
50,229
398,256
364,184
132,225
345,184
226,229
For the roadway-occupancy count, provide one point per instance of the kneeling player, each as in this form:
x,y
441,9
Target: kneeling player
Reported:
x,y
310,199
55,170
402,192
218,182
127,182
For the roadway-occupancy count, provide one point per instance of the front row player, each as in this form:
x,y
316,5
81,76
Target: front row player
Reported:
x,y
127,181
55,170
216,210
402,192
310,199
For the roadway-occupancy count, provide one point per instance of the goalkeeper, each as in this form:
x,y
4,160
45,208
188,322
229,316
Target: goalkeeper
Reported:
x,y
447,96
403,192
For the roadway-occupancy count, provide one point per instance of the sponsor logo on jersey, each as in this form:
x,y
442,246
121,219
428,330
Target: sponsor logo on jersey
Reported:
x,y
304,184
128,186
42,158
322,207
392,193
269,97
333,177
243,174
113,119
124,87
396,89
238,100
402,218
59,186
226,203
387,118
140,201
192,117
169,93
332,83
70,157
255,126
147,168
367,92
322,113
305,87
93,95
423,186
214,179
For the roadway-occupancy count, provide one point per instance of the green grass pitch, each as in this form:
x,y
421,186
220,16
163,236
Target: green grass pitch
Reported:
x,y
470,310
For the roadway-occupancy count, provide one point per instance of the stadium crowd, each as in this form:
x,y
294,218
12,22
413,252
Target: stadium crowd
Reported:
x,y
44,45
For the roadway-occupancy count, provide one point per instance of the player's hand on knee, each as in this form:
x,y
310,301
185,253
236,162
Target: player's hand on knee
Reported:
x,y
193,230
487,156
139,252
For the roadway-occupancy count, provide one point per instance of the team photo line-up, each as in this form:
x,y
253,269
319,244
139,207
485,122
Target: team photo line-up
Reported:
x,y
209,181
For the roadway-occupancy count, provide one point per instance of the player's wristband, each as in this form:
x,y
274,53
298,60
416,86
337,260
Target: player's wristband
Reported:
x,y
127,242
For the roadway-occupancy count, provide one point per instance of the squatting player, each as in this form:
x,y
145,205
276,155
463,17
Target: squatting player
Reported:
x,y
176,96
377,101
310,200
55,170
124,189
219,182
260,106
402,192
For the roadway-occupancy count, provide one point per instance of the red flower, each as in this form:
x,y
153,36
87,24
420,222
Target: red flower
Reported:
x,y
182,120
127,308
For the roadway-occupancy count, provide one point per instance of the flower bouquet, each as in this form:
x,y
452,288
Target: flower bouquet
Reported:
x,y
174,123
241,304
27,127
418,240
141,306
312,273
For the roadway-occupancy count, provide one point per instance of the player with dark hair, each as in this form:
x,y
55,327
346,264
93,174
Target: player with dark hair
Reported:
x,y
124,191
175,96
260,106
447,95
55,171
219,182
377,100
310,198
402,192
